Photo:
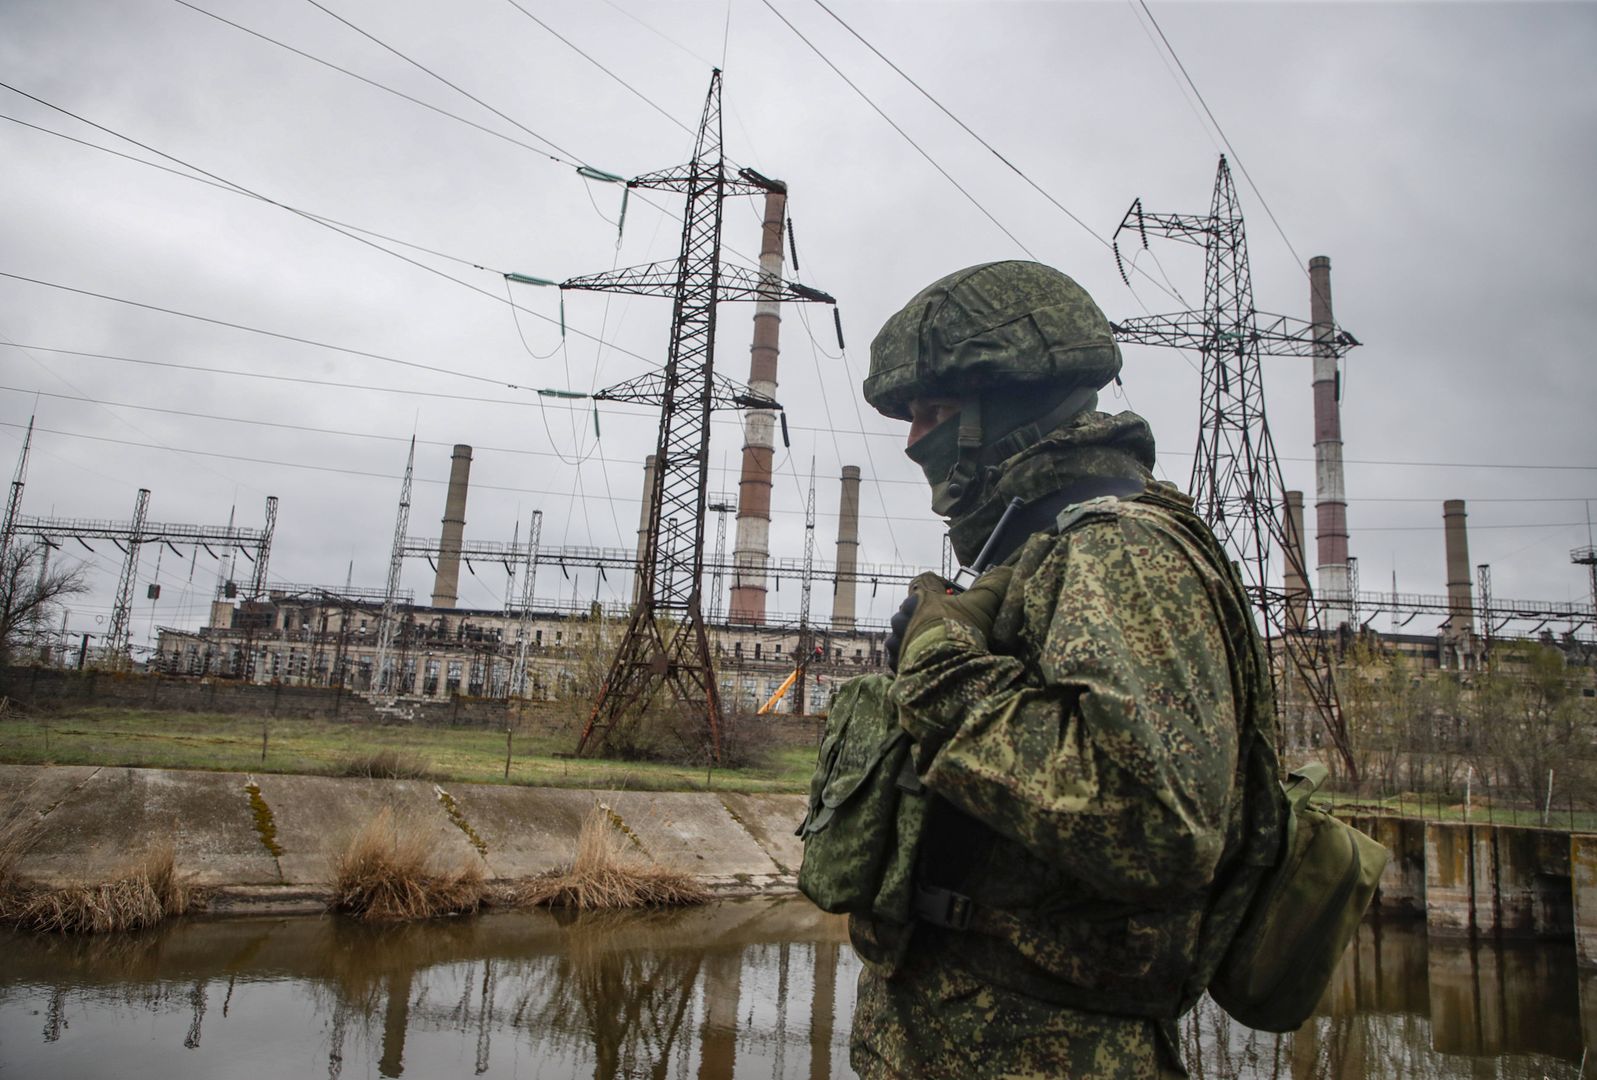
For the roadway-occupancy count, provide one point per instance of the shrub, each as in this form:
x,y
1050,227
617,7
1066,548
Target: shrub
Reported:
x,y
606,875
148,892
388,873
385,765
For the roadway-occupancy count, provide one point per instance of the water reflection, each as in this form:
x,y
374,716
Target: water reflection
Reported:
x,y
752,989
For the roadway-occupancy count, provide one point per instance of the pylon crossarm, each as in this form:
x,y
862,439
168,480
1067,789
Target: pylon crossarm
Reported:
x,y
683,179
662,279
649,389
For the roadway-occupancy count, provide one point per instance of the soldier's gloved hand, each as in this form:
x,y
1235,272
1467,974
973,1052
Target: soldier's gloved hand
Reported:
x,y
898,624
932,611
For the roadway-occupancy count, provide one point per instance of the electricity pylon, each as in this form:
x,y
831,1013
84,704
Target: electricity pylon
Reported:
x,y
1236,476
671,570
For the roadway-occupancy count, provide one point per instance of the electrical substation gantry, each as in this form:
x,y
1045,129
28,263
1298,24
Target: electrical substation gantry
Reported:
x,y
1236,479
676,657
129,538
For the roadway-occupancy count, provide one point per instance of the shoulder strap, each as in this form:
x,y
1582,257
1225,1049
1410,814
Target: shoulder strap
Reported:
x,y
1043,514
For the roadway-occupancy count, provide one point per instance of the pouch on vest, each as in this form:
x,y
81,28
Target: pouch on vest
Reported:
x,y
1305,912
861,831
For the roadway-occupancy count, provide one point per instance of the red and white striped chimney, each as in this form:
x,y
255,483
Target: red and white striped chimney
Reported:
x,y
752,549
1330,492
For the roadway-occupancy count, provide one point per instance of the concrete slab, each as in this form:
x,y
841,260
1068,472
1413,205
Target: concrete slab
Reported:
x,y
41,788
527,830
770,820
105,822
692,832
315,816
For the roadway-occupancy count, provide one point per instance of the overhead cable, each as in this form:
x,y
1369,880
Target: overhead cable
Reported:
x,y
1221,132
985,144
905,135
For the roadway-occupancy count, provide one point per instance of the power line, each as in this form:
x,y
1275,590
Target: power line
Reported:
x,y
335,469
1221,132
611,411
985,144
269,333
233,189
523,451
324,222
905,135
429,71
571,160
390,90
645,98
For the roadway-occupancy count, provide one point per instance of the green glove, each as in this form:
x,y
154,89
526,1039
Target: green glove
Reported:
x,y
937,609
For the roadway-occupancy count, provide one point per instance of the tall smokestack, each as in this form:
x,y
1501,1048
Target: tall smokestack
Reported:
x,y
446,585
847,550
1460,605
753,546
643,525
1330,492
1297,586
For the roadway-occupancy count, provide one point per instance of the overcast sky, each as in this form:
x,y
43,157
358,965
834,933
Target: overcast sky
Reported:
x,y
1441,154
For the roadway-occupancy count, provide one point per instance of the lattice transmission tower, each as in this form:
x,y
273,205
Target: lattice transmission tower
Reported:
x,y
652,657
1236,476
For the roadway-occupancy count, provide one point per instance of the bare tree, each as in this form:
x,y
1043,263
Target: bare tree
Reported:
x,y
31,592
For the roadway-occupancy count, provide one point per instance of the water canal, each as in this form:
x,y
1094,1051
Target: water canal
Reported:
x,y
758,989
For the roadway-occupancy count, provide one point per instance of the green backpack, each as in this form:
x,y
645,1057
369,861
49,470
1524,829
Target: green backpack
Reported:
x,y
1307,908
866,811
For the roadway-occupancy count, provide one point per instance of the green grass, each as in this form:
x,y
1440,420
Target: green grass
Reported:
x,y
144,739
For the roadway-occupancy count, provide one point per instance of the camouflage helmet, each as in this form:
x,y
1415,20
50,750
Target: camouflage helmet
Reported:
x,y
999,326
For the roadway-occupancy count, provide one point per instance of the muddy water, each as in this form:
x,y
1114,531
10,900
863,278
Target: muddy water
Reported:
x,y
749,989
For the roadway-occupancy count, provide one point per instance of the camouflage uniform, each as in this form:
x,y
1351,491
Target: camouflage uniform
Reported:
x,y
1088,757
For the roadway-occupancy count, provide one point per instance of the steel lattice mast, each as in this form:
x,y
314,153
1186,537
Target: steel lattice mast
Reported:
x,y
1236,476
806,633
671,570
388,625
518,671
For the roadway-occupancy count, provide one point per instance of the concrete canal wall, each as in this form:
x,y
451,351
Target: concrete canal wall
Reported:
x,y
270,839
1470,879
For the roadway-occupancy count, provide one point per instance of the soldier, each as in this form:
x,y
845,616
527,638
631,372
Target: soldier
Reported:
x,y
1091,718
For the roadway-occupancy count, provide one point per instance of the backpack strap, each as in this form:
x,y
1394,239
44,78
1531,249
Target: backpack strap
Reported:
x,y
1044,514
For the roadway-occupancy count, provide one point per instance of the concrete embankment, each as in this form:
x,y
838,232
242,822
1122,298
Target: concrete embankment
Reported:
x,y
1471,878
269,841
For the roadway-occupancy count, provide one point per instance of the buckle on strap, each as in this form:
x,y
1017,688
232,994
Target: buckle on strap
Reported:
x,y
943,907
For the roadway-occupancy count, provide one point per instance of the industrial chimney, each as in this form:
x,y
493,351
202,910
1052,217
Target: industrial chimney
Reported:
x,y
752,548
446,585
1330,493
1460,603
847,550
1297,586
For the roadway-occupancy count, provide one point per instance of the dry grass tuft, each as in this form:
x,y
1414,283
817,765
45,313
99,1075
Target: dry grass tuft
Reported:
x,y
19,830
149,892
606,875
389,874
385,765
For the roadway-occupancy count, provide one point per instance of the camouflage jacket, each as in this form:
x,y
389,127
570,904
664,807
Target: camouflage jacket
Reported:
x,y
1101,741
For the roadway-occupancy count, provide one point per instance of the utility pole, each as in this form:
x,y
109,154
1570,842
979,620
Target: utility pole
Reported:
x,y
677,659
8,525
387,625
806,635
518,671
1236,477
720,508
